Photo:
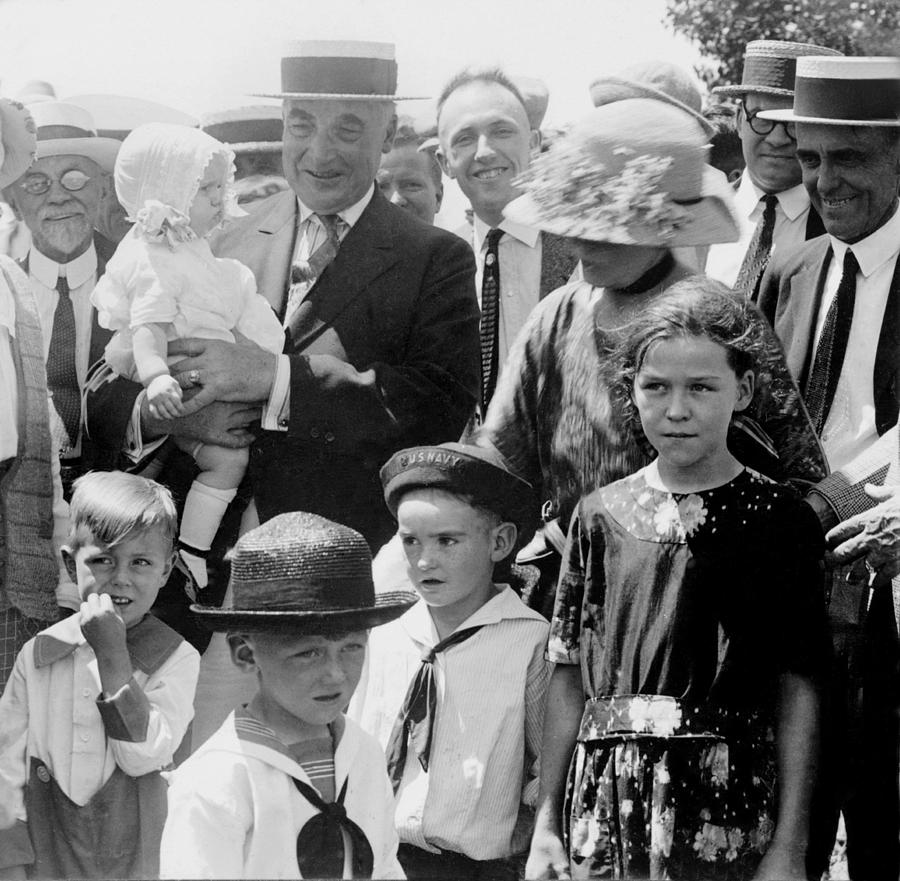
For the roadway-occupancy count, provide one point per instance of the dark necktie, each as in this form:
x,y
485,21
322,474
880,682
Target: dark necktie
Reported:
x,y
758,251
305,273
829,359
416,717
320,844
62,378
490,318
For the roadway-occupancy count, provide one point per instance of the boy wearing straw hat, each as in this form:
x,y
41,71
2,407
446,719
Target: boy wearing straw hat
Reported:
x,y
288,787
456,685
835,304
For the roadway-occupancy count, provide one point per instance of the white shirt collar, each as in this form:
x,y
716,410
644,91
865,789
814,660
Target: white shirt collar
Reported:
x,y
348,215
77,271
875,249
527,235
793,202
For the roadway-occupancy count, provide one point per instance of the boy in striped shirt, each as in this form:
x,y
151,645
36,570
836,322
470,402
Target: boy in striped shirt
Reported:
x,y
456,685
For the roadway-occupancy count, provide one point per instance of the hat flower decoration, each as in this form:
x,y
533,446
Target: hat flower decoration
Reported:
x,y
158,173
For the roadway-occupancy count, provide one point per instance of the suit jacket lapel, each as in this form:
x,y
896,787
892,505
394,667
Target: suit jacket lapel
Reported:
x,y
366,251
271,250
100,336
886,376
798,328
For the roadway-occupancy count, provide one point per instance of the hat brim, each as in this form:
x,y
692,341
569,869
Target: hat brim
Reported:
x,y
336,96
256,147
711,220
790,116
608,90
387,607
17,132
103,151
737,91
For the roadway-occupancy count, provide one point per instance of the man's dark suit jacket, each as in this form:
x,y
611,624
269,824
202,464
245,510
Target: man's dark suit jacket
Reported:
x,y
384,354
790,296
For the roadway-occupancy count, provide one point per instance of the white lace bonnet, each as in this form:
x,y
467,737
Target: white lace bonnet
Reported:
x,y
158,172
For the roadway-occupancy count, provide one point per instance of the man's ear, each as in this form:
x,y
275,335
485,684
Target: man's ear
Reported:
x,y
389,134
241,652
438,197
504,541
534,142
9,196
442,161
69,559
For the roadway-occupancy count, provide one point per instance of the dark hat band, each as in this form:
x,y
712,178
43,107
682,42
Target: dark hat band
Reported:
x,y
241,131
57,132
289,595
769,73
851,99
339,76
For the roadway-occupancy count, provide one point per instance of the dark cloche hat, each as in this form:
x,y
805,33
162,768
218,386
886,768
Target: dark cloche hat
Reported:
x,y
303,573
477,472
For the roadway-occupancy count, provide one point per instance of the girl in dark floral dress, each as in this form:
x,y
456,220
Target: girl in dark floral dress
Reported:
x,y
688,629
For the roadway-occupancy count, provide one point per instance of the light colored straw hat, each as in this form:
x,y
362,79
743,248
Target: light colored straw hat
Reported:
x,y
633,173
65,129
17,141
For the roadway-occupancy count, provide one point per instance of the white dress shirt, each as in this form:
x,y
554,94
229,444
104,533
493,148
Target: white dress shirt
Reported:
x,y
81,275
724,260
487,732
850,427
520,276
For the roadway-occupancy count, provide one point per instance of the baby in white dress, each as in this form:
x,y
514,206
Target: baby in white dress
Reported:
x,y
163,283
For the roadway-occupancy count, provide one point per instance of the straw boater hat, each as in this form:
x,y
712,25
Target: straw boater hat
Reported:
x,y
301,573
661,80
631,173
339,69
769,67
17,141
115,116
65,129
250,129
476,472
845,91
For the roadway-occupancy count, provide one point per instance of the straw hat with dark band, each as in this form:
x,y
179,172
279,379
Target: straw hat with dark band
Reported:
x,y
339,70
770,66
845,91
303,573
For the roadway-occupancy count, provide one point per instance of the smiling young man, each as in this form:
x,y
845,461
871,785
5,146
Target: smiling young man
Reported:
x,y
773,205
59,199
835,304
486,141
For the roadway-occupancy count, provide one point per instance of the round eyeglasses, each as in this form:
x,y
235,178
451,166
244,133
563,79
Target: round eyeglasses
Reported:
x,y
72,180
761,126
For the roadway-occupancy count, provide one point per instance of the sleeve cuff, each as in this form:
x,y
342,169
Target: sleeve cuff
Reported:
x,y
126,714
133,445
15,846
276,413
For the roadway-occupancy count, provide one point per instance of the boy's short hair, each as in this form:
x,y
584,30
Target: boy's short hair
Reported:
x,y
111,504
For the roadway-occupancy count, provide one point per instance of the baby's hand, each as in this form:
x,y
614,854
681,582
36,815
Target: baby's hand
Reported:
x,y
164,397
101,625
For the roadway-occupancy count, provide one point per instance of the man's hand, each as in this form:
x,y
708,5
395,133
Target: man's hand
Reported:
x,y
220,423
223,371
874,534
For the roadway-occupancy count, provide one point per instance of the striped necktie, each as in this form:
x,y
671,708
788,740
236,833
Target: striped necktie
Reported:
x,y
305,273
415,720
825,372
758,251
62,377
490,319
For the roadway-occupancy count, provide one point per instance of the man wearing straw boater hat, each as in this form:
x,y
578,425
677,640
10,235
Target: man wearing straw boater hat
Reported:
x,y
33,520
772,203
379,310
835,304
289,787
59,199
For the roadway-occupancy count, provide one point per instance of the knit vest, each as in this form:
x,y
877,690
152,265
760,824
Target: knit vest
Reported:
x,y
29,572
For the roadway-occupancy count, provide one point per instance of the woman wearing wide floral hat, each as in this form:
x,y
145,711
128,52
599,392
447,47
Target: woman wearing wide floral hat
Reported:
x,y
33,518
627,185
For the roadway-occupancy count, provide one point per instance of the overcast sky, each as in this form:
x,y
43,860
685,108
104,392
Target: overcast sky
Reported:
x,y
202,55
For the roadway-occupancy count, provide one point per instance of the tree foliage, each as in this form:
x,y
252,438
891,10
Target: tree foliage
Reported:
x,y
722,28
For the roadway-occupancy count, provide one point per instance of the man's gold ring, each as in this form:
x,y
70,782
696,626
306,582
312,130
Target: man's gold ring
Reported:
x,y
194,377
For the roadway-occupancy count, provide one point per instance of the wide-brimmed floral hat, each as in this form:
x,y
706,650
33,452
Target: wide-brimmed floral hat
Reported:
x,y
634,173
18,141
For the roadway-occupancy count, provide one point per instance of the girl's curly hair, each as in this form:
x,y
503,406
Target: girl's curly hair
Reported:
x,y
696,307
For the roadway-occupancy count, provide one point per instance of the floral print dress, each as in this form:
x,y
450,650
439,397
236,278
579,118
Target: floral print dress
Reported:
x,y
682,612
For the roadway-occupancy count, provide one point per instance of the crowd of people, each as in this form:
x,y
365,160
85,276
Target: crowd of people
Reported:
x,y
334,544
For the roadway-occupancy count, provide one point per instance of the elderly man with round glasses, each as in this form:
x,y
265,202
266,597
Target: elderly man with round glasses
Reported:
x,y
773,206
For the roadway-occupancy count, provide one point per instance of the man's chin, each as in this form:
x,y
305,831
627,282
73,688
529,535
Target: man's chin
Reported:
x,y
71,240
